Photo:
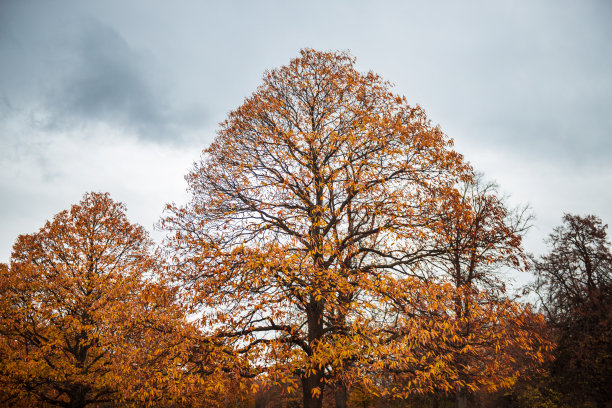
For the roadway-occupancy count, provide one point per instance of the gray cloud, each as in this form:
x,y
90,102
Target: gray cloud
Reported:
x,y
108,82
529,77
69,70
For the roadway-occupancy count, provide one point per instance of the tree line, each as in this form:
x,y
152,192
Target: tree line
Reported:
x,y
335,252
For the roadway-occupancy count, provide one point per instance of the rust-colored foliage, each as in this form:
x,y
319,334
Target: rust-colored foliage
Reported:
x,y
334,242
85,318
309,213
494,342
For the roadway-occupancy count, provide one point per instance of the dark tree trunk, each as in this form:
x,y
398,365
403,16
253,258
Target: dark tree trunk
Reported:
x,y
309,383
312,379
341,395
78,396
461,400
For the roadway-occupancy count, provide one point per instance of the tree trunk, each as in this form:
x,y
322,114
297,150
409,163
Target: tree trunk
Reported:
x,y
461,400
78,396
341,395
309,383
312,378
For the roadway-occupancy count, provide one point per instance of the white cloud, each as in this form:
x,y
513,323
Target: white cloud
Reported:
x,y
50,172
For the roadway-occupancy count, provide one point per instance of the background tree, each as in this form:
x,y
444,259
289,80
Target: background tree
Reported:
x,y
482,237
317,197
574,282
84,317
481,240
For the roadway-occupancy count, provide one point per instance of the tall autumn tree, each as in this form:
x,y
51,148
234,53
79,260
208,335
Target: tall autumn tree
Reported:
x,y
574,282
308,212
85,318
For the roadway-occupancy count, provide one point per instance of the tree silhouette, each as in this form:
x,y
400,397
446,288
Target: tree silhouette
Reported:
x,y
574,282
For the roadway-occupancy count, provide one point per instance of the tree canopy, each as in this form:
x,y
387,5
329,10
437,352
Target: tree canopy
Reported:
x,y
82,319
335,249
310,216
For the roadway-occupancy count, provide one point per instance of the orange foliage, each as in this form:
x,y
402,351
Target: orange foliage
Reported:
x,y
333,240
495,340
309,212
86,318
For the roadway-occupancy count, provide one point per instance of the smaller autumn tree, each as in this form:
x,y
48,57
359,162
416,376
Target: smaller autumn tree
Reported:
x,y
492,342
482,238
574,282
84,317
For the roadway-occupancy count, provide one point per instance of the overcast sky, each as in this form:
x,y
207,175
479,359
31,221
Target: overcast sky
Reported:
x,y
121,96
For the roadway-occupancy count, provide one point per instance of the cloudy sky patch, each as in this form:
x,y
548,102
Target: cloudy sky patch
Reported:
x,y
65,69
121,96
